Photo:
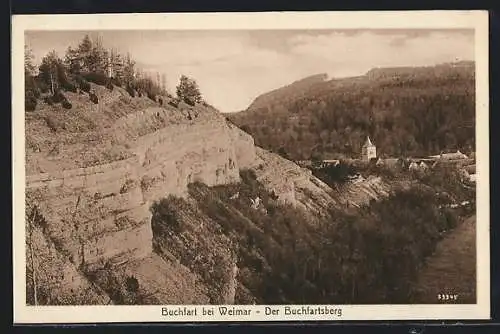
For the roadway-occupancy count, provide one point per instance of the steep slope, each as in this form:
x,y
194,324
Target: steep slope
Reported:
x,y
273,252
406,111
451,269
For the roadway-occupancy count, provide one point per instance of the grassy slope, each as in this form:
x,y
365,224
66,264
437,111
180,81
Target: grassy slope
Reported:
x,y
452,267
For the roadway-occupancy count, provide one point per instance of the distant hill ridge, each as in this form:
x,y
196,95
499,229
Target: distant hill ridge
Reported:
x,y
294,88
432,107
301,86
462,67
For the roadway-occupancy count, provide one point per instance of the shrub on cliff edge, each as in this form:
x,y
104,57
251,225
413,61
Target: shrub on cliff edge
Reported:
x,y
166,214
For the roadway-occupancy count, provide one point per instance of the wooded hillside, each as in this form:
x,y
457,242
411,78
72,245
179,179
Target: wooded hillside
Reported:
x,y
406,111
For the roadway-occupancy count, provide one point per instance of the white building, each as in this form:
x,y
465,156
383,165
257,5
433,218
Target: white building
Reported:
x,y
423,166
368,150
413,166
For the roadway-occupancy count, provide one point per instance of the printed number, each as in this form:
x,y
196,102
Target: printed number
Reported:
x,y
446,297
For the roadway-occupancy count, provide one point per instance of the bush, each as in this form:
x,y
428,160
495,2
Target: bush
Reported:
x,y
174,103
48,100
41,84
83,84
58,97
69,87
116,81
151,96
97,78
129,184
93,98
30,103
165,214
132,284
66,104
30,100
146,183
160,101
130,91
30,85
109,85
189,102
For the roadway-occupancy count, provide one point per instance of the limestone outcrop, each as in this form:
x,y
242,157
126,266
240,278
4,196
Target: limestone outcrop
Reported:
x,y
101,213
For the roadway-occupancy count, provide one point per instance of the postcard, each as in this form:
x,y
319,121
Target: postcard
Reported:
x,y
279,166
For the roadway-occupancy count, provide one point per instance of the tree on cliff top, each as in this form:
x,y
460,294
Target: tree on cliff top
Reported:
x,y
52,71
188,91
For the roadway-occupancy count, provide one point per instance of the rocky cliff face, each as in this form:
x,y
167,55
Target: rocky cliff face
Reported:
x,y
102,213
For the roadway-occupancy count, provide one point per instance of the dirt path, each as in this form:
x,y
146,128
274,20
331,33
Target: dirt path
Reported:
x,y
452,268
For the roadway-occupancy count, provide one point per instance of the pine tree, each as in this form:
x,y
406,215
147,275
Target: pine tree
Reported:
x,y
188,90
72,60
84,52
50,70
97,61
116,65
129,70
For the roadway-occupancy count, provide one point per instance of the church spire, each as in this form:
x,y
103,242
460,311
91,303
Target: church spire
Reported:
x,y
368,142
368,150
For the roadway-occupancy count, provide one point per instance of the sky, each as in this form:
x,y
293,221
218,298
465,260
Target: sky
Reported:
x,y
233,67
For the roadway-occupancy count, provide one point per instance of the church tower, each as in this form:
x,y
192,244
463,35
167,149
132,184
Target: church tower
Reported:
x,y
369,150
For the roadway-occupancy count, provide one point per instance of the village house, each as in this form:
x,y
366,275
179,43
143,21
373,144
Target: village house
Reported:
x,y
413,166
451,156
330,162
471,169
392,162
379,162
469,172
423,166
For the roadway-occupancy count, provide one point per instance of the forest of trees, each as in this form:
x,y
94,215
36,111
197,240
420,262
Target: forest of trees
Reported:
x,y
369,255
417,114
90,61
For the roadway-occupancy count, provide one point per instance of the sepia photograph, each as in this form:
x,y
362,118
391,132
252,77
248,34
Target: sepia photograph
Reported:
x,y
295,168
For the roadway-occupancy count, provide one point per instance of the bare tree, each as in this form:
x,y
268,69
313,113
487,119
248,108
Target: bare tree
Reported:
x,y
29,67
